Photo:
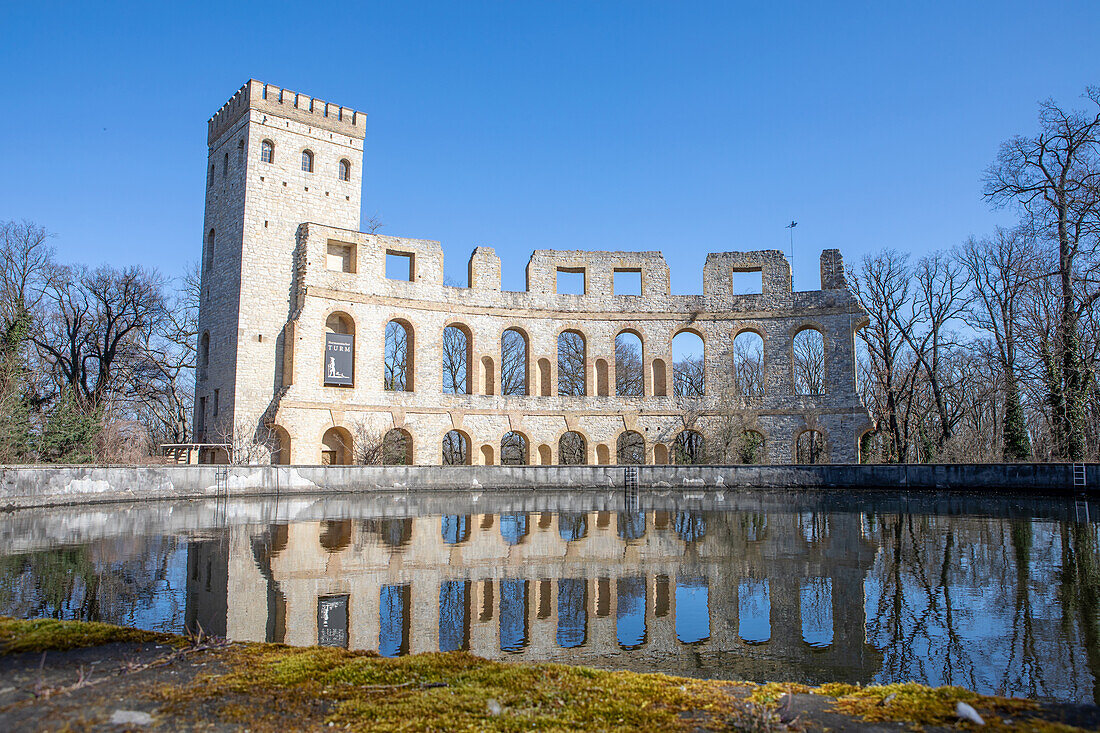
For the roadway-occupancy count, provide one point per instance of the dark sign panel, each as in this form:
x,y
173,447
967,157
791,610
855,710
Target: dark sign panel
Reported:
x,y
332,621
339,359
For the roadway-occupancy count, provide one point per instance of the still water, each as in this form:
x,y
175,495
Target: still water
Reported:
x,y
997,594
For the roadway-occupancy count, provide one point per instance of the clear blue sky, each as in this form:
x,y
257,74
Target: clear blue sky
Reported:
x,y
683,127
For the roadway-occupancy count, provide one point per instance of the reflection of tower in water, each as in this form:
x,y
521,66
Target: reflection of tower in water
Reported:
x,y
743,595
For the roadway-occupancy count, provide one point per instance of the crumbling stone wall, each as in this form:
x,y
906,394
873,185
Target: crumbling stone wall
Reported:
x,y
269,287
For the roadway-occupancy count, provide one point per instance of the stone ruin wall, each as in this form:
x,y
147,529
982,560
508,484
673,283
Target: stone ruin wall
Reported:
x,y
304,409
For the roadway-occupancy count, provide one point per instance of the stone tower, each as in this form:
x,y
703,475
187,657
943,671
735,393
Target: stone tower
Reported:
x,y
277,159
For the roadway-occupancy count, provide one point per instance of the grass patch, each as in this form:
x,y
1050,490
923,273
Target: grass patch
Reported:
x,y
41,635
267,685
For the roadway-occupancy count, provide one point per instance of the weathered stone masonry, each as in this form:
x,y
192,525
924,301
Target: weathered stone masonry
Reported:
x,y
274,283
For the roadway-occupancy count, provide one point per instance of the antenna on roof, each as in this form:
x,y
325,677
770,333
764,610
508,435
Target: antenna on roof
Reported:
x,y
791,227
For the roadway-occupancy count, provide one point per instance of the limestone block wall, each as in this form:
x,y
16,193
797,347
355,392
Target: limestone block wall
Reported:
x,y
307,408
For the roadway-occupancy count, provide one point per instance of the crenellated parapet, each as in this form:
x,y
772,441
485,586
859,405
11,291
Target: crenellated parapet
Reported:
x,y
287,104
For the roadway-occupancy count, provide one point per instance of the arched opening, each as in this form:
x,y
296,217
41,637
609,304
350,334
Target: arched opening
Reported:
x,y
307,161
488,376
572,449
751,448
339,363
689,448
513,449
345,169
397,448
456,449
630,448
660,385
688,364
660,454
810,447
571,362
267,152
630,611
754,608
629,381
748,364
572,612
335,535
486,455
544,377
692,610
280,448
603,455
808,362
454,615
513,362
240,152
869,447
513,528
225,165
455,528
545,455
601,377
572,526
398,363
816,608
457,348
336,447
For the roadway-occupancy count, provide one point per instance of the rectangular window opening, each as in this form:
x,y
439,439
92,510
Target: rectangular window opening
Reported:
x,y
748,282
627,282
399,265
571,281
340,257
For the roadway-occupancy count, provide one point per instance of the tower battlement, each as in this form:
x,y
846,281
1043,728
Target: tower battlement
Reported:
x,y
289,104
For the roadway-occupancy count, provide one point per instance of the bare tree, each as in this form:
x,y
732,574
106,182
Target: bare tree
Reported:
x,y
246,444
571,358
748,365
513,363
368,444
1003,269
628,366
808,349
395,365
687,377
1053,178
456,353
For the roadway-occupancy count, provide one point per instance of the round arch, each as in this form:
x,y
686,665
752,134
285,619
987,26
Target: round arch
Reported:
x,y
689,448
397,448
811,447
399,355
516,376
457,450
336,447
280,449
457,358
630,448
573,448
514,449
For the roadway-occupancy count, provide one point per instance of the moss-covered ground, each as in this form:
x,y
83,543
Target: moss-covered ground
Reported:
x,y
280,688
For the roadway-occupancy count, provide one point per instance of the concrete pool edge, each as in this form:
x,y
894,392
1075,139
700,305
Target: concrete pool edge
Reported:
x,y
33,486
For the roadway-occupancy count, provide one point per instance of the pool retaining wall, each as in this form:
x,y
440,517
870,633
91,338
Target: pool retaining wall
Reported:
x,y
23,486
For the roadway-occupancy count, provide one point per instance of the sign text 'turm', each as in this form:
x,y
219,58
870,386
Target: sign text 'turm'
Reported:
x,y
339,359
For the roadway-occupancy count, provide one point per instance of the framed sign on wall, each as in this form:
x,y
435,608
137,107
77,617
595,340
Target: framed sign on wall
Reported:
x,y
339,359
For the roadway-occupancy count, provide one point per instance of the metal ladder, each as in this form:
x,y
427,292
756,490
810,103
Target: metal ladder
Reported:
x,y
1079,476
221,499
630,488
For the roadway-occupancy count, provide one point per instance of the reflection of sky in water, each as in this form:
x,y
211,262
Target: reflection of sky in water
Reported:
x,y
996,603
630,612
692,610
572,611
754,624
513,614
513,528
393,634
816,605
454,615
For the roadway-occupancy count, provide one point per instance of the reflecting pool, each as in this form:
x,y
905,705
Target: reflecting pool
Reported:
x,y
999,594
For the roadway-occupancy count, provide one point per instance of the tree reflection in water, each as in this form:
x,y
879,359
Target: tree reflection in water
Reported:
x,y
994,600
